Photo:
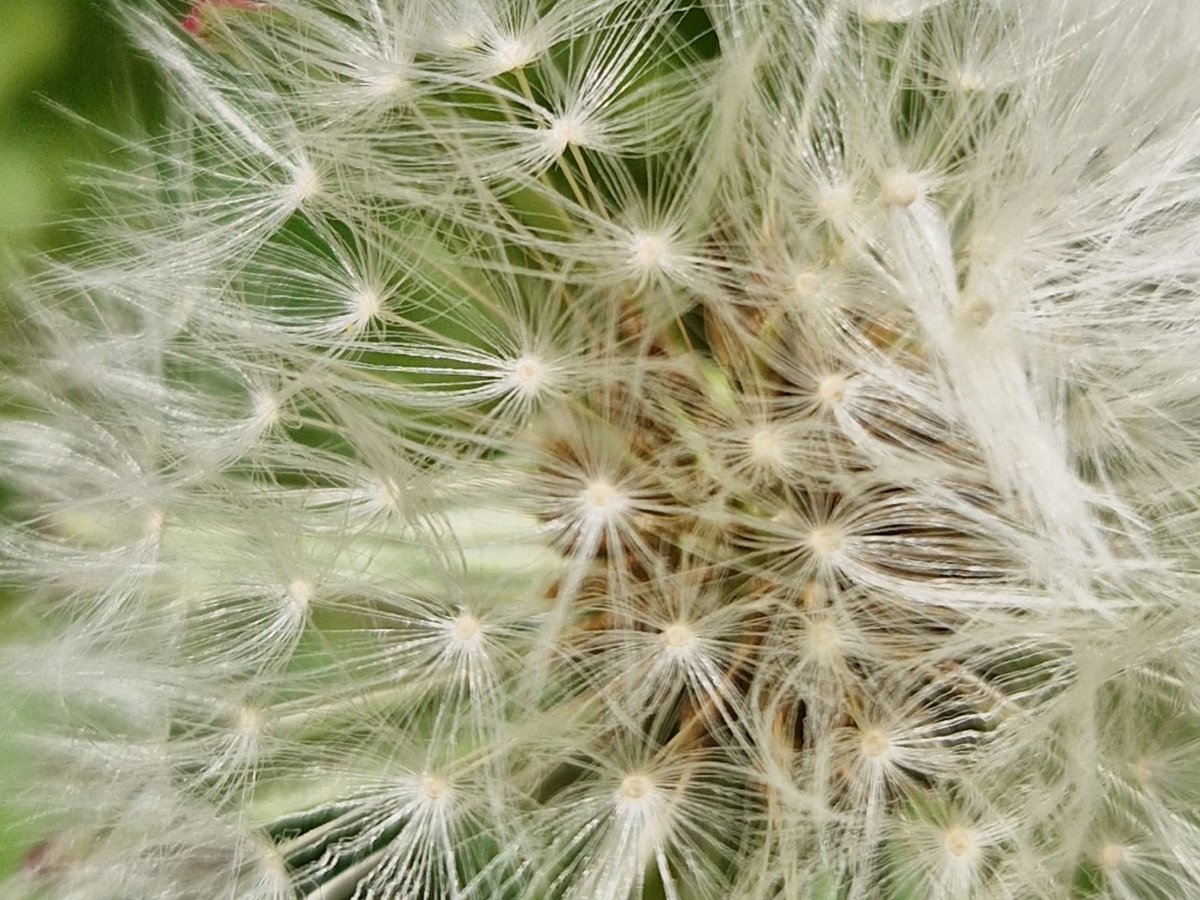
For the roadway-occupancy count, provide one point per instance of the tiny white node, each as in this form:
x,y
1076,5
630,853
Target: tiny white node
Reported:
x,y
602,499
649,251
975,312
959,842
1143,769
563,133
824,640
875,743
899,188
831,390
1112,857
468,630
463,39
834,204
387,493
970,81
266,410
678,636
878,13
806,285
366,305
432,788
385,85
766,448
306,184
527,374
511,53
825,541
635,787
249,721
299,593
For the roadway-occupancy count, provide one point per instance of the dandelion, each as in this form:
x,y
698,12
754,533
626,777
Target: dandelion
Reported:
x,y
576,449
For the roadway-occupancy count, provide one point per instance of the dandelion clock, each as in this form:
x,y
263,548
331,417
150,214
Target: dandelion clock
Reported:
x,y
620,450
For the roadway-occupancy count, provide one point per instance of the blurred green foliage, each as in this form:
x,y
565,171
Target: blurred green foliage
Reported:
x,y
65,66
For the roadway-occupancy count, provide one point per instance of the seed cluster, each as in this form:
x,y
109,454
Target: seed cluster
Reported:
x,y
660,450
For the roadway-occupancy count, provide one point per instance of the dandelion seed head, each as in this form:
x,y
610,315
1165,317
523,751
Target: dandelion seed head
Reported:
x,y
626,419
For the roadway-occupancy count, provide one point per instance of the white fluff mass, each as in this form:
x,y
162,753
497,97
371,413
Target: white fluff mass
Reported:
x,y
621,450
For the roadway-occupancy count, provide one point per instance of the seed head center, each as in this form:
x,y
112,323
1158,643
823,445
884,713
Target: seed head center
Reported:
x,y
900,188
766,447
975,312
806,285
831,389
564,132
306,184
528,374
677,636
875,743
635,787
367,304
825,540
300,592
249,721
602,498
432,787
1112,857
959,842
649,251
466,627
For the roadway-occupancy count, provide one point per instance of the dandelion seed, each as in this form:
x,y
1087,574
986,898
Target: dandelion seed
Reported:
x,y
565,132
899,188
678,637
1112,857
635,787
825,541
650,251
831,389
305,185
